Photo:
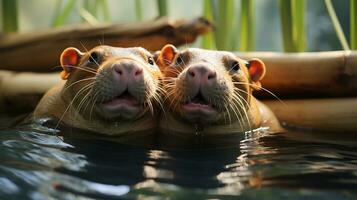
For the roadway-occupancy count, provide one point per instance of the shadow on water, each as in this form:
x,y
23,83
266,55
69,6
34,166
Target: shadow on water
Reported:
x,y
36,163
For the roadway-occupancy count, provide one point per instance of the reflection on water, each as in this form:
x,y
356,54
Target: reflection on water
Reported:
x,y
38,164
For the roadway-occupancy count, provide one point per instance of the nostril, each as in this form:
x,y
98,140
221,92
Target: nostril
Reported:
x,y
212,75
118,70
138,72
191,73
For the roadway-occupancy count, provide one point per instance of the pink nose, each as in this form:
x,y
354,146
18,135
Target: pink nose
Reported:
x,y
127,70
201,73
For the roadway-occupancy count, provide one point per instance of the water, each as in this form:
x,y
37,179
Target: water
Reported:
x,y
37,163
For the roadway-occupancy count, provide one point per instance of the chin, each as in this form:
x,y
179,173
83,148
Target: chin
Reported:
x,y
119,112
195,119
200,117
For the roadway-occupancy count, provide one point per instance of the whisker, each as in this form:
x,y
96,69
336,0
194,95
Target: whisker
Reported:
x,y
237,100
235,110
157,98
264,89
81,103
89,54
95,97
72,84
239,96
70,104
83,69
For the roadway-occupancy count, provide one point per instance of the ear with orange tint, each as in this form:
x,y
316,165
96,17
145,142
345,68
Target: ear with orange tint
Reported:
x,y
256,71
167,55
70,57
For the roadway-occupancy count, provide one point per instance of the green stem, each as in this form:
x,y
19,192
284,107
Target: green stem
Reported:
x,y
57,11
138,10
246,37
286,25
63,16
224,25
9,16
106,12
336,25
299,33
353,26
162,6
87,16
91,6
208,39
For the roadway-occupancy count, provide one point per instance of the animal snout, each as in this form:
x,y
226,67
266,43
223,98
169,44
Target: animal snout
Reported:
x,y
127,70
201,73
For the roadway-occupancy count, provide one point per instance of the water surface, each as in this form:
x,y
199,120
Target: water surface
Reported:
x,y
36,163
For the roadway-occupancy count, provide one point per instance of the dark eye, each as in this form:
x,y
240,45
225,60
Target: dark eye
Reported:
x,y
247,64
151,61
235,66
179,60
93,58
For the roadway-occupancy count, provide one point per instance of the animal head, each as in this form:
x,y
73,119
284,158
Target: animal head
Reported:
x,y
204,86
110,83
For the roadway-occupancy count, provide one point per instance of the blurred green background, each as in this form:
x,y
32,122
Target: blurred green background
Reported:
x,y
257,28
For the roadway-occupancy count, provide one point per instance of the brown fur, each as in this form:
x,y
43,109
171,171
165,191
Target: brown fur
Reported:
x,y
228,90
89,83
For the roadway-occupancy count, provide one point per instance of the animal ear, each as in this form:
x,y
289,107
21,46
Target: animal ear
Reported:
x,y
70,57
167,55
156,56
256,69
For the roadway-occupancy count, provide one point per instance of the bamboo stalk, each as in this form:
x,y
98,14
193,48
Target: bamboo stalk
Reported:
x,y
162,7
41,50
89,11
20,92
285,7
63,16
336,114
106,12
336,25
9,16
87,4
87,16
246,37
208,41
214,6
91,6
14,83
299,34
297,75
138,12
292,16
57,9
353,24
224,26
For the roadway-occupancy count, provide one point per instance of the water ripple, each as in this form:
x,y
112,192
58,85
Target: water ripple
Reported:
x,y
37,163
